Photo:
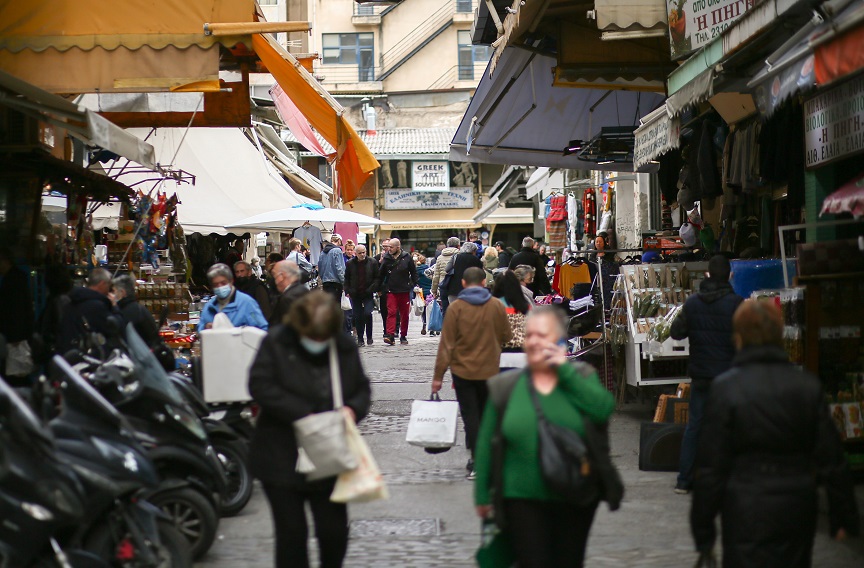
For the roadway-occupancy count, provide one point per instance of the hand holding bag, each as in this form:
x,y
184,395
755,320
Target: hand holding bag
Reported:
x,y
363,483
433,423
435,317
564,460
346,303
321,437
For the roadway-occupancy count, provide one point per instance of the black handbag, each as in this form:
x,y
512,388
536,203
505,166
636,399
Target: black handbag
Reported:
x,y
565,463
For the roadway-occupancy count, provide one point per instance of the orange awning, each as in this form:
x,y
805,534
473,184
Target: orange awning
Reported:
x,y
840,57
355,164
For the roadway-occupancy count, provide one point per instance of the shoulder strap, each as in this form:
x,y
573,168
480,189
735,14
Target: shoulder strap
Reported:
x,y
500,388
335,376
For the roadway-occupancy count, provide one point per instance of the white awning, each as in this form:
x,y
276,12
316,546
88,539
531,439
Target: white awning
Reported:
x,y
293,217
488,208
518,116
624,14
511,216
500,192
280,156
657,135
232,179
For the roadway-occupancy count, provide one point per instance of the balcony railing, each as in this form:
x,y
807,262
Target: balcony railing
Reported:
x,y
345,74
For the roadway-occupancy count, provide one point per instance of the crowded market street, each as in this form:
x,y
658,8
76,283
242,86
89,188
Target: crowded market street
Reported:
x,y
429,519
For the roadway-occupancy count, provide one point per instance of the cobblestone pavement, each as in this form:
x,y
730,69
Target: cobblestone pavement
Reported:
x,y
429,520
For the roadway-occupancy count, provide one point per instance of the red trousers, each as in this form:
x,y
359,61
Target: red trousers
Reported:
x,y
400,302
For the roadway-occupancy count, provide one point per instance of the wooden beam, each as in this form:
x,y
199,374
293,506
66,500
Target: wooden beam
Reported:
x,y
222,109
247,28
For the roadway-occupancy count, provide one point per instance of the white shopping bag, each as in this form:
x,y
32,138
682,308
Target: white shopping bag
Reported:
x,y
433,423
364,483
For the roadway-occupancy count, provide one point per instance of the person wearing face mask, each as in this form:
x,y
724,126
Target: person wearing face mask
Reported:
x,y
246,282
290,379
240,308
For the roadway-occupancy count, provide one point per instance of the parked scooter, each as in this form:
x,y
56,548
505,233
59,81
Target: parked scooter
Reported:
x,y
231,448
174,437
119,523
38,494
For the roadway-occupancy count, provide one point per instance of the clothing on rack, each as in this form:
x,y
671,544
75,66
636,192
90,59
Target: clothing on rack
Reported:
x,y
576,218
589,206
348,231
567,275
310,237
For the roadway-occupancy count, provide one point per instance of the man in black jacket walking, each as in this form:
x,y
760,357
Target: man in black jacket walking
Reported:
x,y
531,257
133,312
90,310
400,273
361,282
706,319
248,283
288,279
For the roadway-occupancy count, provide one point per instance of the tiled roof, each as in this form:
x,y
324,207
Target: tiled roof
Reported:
x,y
399,141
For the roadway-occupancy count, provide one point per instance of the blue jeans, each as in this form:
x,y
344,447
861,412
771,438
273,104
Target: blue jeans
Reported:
x,y
698,398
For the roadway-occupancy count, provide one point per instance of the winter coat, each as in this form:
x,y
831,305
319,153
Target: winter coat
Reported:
x,y
17,322
441,267
289,383
284,301
398,275
531,257
251,286
504,259
767,442
490,264
474,330
460,262
241,309
352,278
424,281
141,319
707,320
94,308
331,264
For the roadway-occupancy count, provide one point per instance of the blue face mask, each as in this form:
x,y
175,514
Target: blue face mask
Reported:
x,y
222,292
314,347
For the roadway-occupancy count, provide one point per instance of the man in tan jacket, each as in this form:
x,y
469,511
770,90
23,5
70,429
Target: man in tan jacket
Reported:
x,y
475,328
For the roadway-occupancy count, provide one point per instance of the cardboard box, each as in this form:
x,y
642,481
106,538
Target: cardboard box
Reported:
x,y
672,410
226,357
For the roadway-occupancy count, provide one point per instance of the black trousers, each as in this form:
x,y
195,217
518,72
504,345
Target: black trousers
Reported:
x,y
287,506
334,289
471,396
548,534
362,316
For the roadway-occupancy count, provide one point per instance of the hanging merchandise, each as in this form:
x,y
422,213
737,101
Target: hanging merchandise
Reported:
x,y
556,221
589,205
665,216
310,237
695,217
576,217
688,234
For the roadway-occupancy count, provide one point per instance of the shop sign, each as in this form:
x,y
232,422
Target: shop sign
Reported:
x,y
655,139
693,23
834,123
430,176
456,198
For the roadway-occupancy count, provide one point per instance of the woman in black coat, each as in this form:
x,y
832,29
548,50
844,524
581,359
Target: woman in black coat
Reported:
x,y
767,442
290,379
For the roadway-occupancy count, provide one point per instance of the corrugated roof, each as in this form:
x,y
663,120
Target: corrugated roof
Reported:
x,y
399,141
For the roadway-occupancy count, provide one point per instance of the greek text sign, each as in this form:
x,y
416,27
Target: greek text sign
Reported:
x,y
834,123
456,198
655,139
430,176
693,23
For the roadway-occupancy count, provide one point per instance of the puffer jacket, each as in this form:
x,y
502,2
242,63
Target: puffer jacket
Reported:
x,y
767,442
441,267
706,320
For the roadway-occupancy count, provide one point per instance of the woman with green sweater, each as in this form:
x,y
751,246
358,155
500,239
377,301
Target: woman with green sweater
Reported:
x,y
545,530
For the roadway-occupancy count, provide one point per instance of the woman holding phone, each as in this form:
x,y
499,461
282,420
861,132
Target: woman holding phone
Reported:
x,y
544,528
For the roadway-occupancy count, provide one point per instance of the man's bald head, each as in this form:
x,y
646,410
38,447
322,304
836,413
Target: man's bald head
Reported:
x,y
395,246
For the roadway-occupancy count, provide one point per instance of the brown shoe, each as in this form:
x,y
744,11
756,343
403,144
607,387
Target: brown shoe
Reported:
x,y
389,340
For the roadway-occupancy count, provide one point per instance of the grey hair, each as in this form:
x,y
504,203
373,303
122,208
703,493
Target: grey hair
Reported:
x,y
219,269
453,242
553,312
242,262
523,271
358,247
288,268
469,247
98,276
126,283
527,242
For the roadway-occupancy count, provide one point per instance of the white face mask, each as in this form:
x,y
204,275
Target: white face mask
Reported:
x,y
222,292
314,347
